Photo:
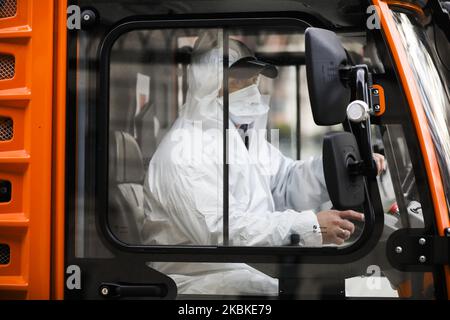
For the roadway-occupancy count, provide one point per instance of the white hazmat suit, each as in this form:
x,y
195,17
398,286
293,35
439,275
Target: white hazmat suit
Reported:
x,y
270,196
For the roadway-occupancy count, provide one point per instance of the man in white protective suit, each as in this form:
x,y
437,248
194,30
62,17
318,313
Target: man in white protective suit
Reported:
x,y
271,197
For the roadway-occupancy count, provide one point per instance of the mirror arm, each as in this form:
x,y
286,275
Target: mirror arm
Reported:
x,y
359,168
364,139
355,168
346,73
361,79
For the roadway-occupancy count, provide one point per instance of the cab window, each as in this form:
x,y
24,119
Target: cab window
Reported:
x,y
174,100
153,90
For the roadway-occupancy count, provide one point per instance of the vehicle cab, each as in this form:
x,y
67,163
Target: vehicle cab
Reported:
x,y
96,88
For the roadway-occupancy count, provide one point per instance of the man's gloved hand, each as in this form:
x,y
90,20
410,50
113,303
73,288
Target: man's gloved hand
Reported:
x,y
335,225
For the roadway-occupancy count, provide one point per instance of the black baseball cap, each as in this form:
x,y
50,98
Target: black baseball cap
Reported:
x,y
244,64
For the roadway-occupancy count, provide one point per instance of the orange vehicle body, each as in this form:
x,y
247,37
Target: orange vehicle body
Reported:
x,y
419,118
27,159
32,223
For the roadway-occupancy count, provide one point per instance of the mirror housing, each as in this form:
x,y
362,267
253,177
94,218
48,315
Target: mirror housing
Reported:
x,y
342,169
325,57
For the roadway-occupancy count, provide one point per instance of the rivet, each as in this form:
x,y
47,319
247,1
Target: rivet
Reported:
x,y
105,291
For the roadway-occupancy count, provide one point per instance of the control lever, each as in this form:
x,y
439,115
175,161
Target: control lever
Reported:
x,y
358,113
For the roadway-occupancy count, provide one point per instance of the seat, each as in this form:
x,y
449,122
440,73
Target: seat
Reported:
x,y
147,128
126,195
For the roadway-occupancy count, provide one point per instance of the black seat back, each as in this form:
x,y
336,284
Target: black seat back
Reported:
x,y
126,199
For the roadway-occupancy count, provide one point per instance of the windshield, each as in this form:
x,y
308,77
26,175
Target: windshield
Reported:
x,y
432,84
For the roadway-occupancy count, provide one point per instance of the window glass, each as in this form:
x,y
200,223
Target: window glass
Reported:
x,y
167,171
156,129
167,164
431,76
398,185
273,199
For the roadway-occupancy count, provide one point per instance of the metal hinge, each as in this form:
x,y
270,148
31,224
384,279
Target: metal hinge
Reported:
x,y
412,250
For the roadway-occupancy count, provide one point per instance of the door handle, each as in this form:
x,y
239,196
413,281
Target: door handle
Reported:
x,y
126,290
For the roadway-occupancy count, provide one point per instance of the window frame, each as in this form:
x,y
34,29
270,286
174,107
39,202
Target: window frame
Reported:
x,y
207,253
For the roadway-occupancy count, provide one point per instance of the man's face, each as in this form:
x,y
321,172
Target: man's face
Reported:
x,y
238,84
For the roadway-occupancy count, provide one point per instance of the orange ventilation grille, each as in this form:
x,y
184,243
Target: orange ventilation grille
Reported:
x,y
6,129
8,8
4,254
7,66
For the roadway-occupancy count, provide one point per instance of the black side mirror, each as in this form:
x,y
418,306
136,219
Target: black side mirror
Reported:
x,y
325,58
342,168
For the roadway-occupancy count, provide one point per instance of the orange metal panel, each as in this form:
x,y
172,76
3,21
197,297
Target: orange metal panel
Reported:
x,y
26,160
22,17
419,119
59,142
14,236
40,146
17,194
382,100
19,47
18,116
405,289
406,5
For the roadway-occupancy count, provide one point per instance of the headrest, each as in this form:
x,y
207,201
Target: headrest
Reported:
x,y
127,163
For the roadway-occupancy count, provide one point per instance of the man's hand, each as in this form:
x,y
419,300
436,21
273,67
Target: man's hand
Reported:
x,y
335,225
381,163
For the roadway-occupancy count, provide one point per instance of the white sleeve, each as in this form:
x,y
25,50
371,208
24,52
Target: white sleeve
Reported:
x,y
194,203
273,228
298,185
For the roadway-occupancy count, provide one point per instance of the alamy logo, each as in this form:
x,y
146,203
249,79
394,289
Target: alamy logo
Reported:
x,y
373,21
74,17
373,280
73,281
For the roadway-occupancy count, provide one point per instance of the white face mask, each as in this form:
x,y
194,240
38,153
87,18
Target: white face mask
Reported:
x,y
246,105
